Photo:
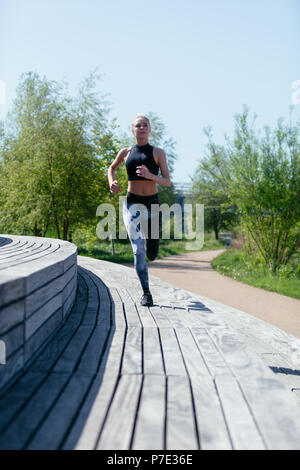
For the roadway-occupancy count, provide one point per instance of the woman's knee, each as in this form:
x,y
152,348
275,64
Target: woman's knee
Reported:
x,y
138,247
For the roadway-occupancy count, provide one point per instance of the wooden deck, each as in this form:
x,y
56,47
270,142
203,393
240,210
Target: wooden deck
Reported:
x,y
173,376
38,283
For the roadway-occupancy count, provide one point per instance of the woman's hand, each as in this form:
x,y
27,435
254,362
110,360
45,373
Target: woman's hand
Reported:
x,y
143,172
114,187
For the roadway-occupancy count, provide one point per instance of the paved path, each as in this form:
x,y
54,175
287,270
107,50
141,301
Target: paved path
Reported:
x,y
193,272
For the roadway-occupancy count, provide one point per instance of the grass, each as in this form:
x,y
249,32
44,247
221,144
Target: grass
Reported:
x,y
123,251
234,264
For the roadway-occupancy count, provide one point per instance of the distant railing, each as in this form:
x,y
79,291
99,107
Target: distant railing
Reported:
x,y
184,188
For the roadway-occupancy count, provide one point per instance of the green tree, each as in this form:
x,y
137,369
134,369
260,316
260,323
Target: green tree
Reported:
x,y
54,157
259,173
265,184
210,187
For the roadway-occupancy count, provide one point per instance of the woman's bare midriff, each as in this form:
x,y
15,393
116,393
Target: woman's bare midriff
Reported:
x,y
142,188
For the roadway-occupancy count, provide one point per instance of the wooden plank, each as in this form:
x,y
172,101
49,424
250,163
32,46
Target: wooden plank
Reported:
x,y
56,346
242,427
146,318
69,303
85,431
113,355
276,411
119,424
103,294
51,433
173,359
207,317
25,250
40,316
81,287
92,295
42,295
212,428
39,272
248,368
178,304
131,314
13,366
160,317
240,358
70,287
18,394
125,295
40,338
118,316
12,288
211,355
90,317
282,369
177,316
90,359
152,355
181,427
150,426
8,244
296,393
92,301
105,312
74,350
132,360
195,319
47,358
144,314
13,339
28,420
192,357
24,259
99,302
69,259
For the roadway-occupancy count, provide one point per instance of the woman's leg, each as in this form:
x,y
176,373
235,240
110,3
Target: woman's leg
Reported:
x,y
138,244
154,226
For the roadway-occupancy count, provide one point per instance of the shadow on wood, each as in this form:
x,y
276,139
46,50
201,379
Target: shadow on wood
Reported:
x,y
48,405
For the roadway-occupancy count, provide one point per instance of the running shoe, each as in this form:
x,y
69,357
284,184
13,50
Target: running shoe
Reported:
x,y
146,300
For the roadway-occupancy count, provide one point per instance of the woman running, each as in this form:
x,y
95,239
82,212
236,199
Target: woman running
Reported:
x,y
141,207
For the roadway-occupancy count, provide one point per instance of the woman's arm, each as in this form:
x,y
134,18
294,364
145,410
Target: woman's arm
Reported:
x,y
120,158
163,180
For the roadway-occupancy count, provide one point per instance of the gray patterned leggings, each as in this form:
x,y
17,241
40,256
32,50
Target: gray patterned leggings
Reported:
x,y
141,217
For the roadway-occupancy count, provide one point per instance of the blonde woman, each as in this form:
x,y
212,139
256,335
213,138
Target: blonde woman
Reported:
x,y
143,162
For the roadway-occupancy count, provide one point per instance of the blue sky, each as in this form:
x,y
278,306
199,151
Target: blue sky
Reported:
x,y
193,62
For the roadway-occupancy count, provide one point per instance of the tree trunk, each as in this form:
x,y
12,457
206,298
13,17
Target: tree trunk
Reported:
x,y
66,229
37,231
112,245
45,230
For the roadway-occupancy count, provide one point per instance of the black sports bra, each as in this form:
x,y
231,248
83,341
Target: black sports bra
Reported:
x,y
140,155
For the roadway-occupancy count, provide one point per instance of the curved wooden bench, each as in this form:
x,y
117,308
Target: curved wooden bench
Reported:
x,y
120,376
38,279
